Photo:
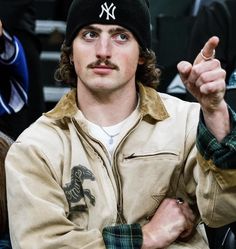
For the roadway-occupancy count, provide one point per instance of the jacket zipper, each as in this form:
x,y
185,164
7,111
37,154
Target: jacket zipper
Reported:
x,y
121,218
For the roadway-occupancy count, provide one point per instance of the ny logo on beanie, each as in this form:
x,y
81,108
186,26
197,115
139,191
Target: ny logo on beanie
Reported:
x,y
107,9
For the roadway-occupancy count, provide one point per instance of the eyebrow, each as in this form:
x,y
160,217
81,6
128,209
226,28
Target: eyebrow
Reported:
x,y
111,31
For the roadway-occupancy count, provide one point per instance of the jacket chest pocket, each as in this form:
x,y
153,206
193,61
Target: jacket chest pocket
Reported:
x,y
147,179
158,170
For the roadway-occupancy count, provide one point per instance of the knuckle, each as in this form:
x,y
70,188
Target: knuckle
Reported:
x,y
195,70
204,77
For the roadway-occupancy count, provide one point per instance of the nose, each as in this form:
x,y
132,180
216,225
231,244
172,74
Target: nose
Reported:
x,y
103,48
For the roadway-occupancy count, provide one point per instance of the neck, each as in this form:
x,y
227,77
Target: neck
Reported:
x,y
106,109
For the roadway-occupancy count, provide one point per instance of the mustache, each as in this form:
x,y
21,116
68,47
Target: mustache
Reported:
x,y
103,62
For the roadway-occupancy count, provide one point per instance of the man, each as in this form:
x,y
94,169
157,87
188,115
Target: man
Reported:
x,y
103,168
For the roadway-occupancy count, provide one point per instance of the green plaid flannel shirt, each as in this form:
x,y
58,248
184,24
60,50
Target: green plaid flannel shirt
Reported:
x,y
123,236
223,154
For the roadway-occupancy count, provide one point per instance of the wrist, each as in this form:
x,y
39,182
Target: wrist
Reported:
x,y
148,239
220,117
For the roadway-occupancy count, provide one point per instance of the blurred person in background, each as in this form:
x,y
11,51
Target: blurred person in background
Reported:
x,y
18,17
61,9
14,81
13,97
218,18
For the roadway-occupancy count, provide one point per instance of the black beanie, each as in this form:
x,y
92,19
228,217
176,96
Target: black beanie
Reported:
x,y
133,15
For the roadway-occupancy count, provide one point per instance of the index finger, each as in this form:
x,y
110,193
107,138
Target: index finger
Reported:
x,y
208,49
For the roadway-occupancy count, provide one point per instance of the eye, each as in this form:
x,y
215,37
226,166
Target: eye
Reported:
x,y
121,37
89,35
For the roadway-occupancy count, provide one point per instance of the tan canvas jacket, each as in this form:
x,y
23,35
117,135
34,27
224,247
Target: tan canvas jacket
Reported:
x,y
63,189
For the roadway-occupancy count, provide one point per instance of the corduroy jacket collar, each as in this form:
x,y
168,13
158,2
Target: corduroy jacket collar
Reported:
x,y
151,105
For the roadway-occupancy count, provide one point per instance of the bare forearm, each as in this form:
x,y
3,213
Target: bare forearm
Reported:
x,y
150,242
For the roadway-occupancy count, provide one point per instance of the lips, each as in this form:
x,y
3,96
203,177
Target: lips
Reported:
x,y
102,69
103,66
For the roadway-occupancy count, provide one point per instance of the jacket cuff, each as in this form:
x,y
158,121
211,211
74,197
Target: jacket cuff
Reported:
x,y
222,154
123,236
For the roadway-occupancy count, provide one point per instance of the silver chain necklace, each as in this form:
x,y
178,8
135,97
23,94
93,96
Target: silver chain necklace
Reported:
x,y
111,140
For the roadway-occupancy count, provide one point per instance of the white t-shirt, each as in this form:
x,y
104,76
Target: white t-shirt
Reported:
x,y
110,135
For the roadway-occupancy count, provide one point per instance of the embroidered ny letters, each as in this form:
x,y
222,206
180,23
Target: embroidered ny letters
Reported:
x,y
110,11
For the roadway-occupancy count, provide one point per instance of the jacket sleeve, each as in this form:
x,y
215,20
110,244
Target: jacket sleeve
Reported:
x,y
222,154
216,188
33,186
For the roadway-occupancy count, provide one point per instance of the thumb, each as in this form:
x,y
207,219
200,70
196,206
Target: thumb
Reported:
x,y
208,50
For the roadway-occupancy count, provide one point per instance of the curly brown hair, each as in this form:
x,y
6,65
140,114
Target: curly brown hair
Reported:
x,y
147,73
